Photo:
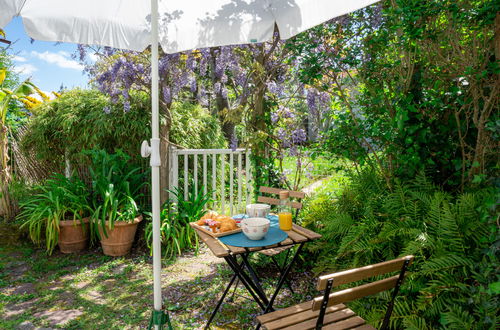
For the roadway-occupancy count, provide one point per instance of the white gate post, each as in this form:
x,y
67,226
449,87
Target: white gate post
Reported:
x,y
174,172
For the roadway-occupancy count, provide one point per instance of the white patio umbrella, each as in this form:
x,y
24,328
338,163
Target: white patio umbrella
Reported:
x,y
177,25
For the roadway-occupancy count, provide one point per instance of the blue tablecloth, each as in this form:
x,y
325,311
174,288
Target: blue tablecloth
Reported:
x,y
274,236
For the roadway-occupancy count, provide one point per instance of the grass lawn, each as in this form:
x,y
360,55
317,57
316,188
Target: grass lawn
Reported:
x,y
92,291
319,168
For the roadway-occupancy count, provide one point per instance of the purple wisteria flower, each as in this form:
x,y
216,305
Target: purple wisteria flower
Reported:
x,y
217,88
299,136
311,99
284,137
234,142
287,113
223,92
193,86
126,106
274,117
167,95
107,109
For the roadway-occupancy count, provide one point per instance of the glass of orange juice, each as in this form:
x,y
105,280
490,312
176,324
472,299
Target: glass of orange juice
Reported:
x,y
285,220
285,211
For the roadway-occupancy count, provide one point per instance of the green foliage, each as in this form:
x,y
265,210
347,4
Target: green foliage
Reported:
x,y
77,121
59,198
194,127
176,214
116,186
9,79
415,86
454,238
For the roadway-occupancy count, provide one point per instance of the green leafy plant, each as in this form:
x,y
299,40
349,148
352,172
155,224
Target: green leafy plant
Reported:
x,y
116,186
176,233
453,238
62,126
415,85
58,199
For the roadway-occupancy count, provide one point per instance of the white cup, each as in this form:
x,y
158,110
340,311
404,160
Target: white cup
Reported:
x,y
258,210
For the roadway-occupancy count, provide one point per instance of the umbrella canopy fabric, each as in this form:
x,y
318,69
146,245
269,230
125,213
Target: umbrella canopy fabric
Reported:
x,y
183,24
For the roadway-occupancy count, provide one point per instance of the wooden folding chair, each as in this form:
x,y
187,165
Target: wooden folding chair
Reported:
x,y
329,312
296,203
295,196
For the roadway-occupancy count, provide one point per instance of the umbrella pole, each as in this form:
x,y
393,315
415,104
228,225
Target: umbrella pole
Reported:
x,y
159,317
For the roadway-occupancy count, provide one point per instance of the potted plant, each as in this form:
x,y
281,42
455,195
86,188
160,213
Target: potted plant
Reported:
x,y
59,209
116,188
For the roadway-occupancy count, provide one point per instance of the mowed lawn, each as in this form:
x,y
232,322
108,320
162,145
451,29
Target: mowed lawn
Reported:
x,y
92,291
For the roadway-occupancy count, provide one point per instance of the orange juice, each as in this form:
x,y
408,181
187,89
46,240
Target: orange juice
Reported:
x,y
285,220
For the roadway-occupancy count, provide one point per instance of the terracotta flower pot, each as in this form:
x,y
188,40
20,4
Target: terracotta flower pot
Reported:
x,y
73,237
120,238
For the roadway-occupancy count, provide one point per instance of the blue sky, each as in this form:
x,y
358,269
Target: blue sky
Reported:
x,y
49,64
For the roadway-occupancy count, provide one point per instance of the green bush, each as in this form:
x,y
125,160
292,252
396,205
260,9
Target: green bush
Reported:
x,y
77,121
454,279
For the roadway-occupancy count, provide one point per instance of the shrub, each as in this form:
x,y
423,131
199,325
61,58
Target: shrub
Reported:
x,y
77,121
454,281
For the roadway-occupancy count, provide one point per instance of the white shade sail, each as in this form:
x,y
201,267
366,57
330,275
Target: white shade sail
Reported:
x,y
184,24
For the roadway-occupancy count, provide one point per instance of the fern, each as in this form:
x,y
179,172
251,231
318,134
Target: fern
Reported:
x,y
457,318
441,263
455,254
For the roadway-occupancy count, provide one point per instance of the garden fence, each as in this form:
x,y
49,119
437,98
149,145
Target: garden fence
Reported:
x,y
24,163
204,170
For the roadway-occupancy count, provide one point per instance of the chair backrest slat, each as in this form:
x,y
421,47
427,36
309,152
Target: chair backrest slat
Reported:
x,y
357,292
275,201
276,191
358,274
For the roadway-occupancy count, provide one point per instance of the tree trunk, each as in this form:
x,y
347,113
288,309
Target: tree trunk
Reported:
x,y
222,107
260,151
222,104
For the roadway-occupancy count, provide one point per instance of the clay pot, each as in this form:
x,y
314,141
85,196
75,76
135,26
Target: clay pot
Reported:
x,y
73,237
120,238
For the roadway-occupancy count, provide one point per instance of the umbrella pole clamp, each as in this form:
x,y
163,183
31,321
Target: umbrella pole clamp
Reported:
x,y
159,319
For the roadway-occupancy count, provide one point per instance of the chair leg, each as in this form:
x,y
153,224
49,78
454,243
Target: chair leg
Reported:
x,y
324,305
390,307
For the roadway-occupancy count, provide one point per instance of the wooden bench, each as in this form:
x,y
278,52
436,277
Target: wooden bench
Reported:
x,y
329,311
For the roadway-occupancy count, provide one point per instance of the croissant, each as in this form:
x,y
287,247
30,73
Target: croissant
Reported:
x,y
225,227
229,223
210,215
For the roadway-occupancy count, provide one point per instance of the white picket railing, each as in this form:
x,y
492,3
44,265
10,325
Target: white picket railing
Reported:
x,y
220,160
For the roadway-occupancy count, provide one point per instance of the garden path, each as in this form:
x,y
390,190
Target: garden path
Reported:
x,y
314,186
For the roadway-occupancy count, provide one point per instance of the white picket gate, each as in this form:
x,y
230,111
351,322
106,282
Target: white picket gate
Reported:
x,y
213,164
